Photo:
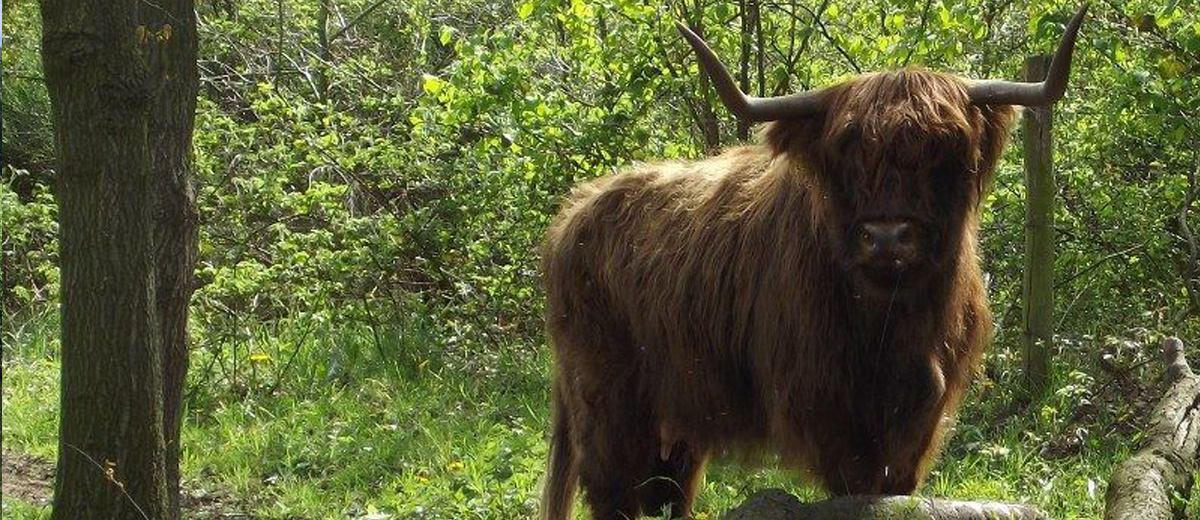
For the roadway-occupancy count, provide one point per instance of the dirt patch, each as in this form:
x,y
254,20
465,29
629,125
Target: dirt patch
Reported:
x,y
200,502
30,478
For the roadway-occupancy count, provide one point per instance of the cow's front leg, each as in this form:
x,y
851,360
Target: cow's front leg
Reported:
x,y
912,428
884,443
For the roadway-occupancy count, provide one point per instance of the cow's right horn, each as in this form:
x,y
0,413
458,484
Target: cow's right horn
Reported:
x,y
998,92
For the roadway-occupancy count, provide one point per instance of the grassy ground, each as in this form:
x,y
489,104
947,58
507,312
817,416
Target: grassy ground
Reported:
x,y
441,441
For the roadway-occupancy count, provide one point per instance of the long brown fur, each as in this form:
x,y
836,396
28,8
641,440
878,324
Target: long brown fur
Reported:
x,y
702,307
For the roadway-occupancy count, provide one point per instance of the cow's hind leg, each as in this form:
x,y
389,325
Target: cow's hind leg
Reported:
x,y
673,483
618,452
615,440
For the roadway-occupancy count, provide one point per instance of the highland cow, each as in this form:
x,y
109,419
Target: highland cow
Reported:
x,y
817,295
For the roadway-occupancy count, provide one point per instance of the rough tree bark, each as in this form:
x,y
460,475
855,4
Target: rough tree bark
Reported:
x,y
706,119
122,81
111,427
750,12
1142,487
175,82
322,68
746,14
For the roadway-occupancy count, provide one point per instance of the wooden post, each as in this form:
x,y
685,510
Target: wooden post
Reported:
x,y
1038,283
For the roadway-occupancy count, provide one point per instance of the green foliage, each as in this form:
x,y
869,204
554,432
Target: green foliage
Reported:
x,y
28,265
28,142
15,509
427,168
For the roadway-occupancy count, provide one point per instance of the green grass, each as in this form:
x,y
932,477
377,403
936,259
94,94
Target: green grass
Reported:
x,y
31,406
437,440
15,509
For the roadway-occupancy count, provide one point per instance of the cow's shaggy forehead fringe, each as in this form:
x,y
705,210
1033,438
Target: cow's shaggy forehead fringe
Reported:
x,y
904,119
890,107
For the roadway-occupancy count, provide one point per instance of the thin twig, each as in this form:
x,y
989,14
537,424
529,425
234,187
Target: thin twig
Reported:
x,y
816,18
1098,263
1191,271
924,22
108,475
350,25
288,365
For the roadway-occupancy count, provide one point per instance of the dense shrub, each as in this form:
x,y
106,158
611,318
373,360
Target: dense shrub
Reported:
x,y
406,171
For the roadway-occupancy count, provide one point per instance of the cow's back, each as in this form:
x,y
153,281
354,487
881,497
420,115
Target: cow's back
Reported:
x,y
647,285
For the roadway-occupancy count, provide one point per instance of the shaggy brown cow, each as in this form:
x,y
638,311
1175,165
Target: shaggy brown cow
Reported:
x,y
818,294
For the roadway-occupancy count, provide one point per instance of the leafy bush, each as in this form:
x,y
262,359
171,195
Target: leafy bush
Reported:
x,y
29,230
28,141
407,169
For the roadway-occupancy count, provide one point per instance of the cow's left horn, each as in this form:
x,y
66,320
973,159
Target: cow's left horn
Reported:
x,y
994,92
750,108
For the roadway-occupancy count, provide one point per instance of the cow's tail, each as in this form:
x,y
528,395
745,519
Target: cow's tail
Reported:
x,y
558,493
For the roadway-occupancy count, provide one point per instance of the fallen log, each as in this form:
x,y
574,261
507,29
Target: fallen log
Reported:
x,y
776,504
1142,487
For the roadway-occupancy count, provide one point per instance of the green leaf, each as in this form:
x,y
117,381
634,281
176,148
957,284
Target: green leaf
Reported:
x,y
525,9
432,84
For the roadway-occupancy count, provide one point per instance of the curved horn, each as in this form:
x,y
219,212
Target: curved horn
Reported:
x,y
750,108
999,92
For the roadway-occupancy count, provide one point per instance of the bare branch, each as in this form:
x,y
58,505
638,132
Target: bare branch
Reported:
x,y
350,25
924,22
816,18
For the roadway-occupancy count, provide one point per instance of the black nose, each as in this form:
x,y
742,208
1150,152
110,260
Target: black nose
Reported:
x,y
889,241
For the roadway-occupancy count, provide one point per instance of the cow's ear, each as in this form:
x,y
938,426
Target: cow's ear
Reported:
x,y
796,138
997,125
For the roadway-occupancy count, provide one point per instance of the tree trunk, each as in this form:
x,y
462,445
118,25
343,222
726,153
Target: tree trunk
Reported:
x,y
122,81
175,78
111,449
1038,284
705,115
760,53
1191,258
747,17
322,68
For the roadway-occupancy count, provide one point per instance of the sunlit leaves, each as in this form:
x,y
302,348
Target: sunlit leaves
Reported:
x,y
432,84
452,129
525,8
